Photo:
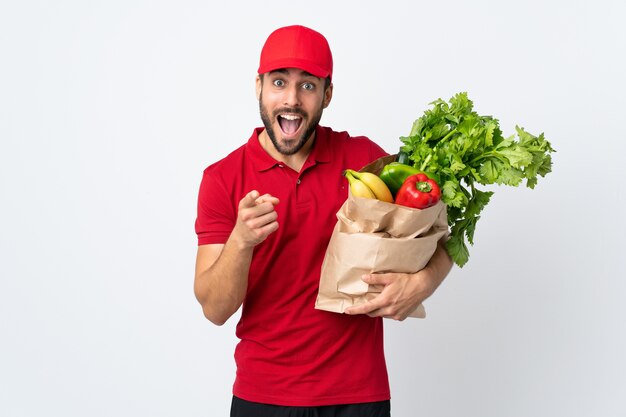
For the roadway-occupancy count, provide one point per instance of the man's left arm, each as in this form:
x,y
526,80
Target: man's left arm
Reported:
x,y
403,293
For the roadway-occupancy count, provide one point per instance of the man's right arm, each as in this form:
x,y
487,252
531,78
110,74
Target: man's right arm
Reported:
x,y
221,277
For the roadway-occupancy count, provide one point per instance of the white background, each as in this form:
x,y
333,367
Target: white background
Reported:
x,y
109,112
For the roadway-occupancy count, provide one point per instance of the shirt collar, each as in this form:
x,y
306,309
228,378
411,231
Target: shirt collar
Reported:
x,y
263,161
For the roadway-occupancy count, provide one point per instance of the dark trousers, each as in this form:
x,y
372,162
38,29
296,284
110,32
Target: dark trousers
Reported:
x,y
243,408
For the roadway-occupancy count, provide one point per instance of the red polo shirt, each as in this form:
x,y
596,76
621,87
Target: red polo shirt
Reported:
x,y
290,353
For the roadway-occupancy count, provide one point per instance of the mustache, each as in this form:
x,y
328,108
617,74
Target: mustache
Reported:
x,y
292,110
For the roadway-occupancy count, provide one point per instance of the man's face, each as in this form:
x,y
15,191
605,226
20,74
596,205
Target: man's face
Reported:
x,y
291,103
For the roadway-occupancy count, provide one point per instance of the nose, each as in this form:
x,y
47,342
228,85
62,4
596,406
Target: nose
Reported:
x,y
292,96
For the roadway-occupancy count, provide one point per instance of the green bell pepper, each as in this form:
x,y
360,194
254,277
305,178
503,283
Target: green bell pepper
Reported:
x,y
394,174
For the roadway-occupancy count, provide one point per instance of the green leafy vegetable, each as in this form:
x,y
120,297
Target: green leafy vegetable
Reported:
x,y
466,150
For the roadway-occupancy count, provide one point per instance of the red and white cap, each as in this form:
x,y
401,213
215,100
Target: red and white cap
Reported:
x,y
297,47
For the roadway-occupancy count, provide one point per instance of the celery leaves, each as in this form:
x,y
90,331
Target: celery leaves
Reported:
x,y
466,149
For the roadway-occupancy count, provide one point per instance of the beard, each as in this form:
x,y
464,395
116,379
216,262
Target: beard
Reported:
x,y
309,127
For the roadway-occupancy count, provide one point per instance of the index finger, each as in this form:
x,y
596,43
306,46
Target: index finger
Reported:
x,y
249,200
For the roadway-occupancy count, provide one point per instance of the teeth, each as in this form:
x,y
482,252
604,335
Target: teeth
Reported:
x,y
290,116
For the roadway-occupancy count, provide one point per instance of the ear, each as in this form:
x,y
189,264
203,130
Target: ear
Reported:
x,y
259,85
328,95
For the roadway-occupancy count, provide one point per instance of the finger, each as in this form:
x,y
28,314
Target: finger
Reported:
x,y
366,308
267,198
376,279
262,220
386,312
258,215
249,199
269,228
260,233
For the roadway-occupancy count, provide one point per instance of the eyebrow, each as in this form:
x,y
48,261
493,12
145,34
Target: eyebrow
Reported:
x,y
285,71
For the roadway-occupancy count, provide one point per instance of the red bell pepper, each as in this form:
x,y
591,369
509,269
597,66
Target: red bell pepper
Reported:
x,y
418,191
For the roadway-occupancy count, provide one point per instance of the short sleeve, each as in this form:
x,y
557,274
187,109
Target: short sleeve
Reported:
x,y
216,215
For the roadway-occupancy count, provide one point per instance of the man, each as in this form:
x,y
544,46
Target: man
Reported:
x,y
265,215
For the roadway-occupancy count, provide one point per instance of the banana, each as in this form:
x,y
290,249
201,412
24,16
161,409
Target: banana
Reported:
x,y
376,185
357,187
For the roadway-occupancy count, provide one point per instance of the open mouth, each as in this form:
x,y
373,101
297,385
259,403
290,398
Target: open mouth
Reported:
x,y
289,123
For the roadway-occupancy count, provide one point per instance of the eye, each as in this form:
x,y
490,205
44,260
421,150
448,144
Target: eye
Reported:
x,y
308,86
279,83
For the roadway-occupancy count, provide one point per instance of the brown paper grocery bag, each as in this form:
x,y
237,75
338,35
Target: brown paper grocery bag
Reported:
x,y
374,236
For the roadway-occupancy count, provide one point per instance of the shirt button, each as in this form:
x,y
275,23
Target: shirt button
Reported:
x,y
298,181
280,165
